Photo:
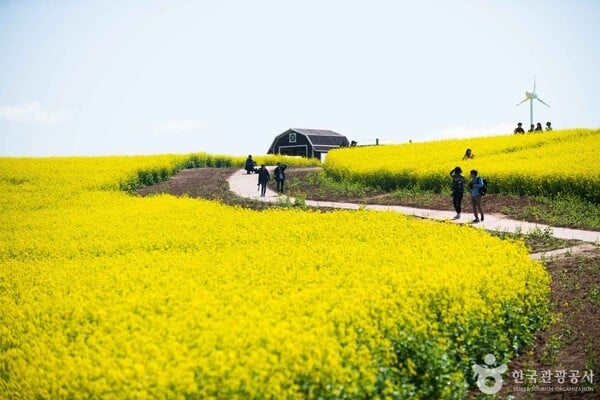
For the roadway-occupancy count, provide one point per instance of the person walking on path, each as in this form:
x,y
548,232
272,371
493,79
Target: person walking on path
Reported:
x,y
263,179
475,184
279,173
458,189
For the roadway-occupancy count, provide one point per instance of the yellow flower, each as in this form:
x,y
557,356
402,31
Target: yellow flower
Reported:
x,y
106,295
547,163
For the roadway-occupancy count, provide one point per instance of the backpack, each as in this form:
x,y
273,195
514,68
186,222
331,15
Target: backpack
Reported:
x,y
484,188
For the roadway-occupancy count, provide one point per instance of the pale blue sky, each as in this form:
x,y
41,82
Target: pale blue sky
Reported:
x,y
131,77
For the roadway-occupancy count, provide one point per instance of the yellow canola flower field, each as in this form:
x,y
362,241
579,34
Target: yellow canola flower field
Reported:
x,y
545,163
106,295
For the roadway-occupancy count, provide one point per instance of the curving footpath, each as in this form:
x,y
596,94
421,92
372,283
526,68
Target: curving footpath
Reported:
x,y
245,185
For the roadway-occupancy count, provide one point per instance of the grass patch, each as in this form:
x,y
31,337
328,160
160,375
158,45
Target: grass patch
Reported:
x,y
317,185
563,210
415,197
537,240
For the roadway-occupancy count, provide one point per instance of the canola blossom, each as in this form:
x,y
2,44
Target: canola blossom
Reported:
x,y
107,295
545,163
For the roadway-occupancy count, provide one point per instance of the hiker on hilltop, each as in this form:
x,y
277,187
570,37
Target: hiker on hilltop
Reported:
x,y
519,129
263,179
458,189
279,173
250,165
468,154
475,185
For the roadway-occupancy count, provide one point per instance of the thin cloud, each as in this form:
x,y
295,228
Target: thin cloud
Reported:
x,y
181,127
33,113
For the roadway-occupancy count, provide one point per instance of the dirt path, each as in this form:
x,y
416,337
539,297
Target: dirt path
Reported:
x,y
204,183
208,183
571,342
245,186
234,186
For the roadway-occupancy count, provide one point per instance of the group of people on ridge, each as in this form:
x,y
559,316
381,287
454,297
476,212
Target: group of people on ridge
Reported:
x,y
537,128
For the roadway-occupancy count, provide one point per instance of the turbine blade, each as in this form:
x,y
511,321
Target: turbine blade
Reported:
x,y
542,101
522,101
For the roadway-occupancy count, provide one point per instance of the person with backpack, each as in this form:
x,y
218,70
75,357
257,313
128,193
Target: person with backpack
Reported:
x,y
279,173
458,189
478,189
263,179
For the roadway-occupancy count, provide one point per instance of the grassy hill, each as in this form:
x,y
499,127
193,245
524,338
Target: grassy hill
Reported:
x,y
540,164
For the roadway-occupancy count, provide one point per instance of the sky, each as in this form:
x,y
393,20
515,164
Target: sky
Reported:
x,y
227,76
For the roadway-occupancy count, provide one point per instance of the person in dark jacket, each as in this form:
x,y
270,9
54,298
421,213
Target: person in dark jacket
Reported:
x,y
458,189
538,127
519,129
249,166
279,173
263,179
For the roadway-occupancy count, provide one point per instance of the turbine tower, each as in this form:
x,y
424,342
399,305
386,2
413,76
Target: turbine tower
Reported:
x,y
532,96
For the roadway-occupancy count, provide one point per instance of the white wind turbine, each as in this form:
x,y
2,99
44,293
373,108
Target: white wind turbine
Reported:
x,y
532,96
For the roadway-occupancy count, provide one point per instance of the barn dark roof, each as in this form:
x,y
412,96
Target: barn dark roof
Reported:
x,y
322,137
319,136
320,140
